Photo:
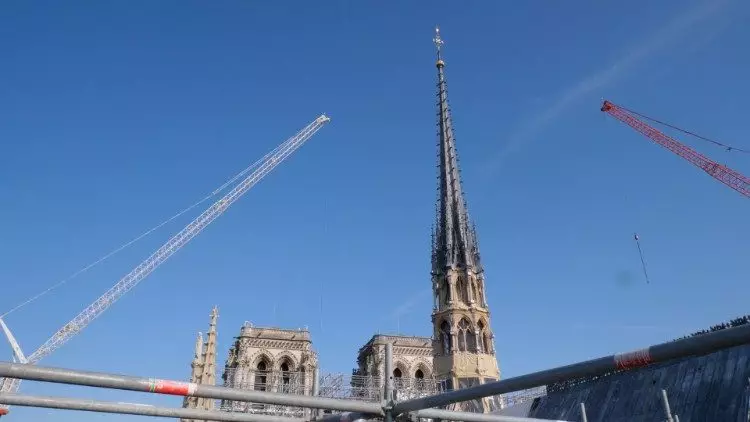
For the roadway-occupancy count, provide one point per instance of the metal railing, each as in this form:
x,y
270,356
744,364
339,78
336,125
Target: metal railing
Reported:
x,y
386,409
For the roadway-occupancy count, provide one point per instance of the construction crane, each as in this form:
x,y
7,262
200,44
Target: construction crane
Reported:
x,y
720,172
85,317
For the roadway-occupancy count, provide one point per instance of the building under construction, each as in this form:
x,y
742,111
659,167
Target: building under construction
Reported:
x,y
409,372
461,352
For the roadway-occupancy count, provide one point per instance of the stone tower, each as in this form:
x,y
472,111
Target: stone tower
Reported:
x,y
208,376
463,349
196,372
270,359
203,367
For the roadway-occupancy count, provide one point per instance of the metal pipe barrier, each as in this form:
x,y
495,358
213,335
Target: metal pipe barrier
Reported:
x,y
178,388
584,418
135,409
448,415
665,404
691,346
219,416
345,417
316,390
388,385
94,379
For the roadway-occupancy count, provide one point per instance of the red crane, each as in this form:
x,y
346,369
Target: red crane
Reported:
x,y
720,172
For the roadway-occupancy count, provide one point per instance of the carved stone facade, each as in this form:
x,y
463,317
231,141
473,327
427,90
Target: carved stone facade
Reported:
x,y
412,357
261,350
203,366
412,367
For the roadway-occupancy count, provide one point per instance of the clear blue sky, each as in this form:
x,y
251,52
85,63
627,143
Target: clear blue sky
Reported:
x,y
115,115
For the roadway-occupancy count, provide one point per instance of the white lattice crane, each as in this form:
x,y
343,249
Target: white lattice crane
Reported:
x,y
85,317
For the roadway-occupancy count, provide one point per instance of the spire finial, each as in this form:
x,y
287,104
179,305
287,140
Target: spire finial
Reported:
x,y
437,40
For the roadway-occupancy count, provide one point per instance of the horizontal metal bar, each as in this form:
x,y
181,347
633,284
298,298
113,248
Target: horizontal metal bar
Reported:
x,y
135,409
691,346
449,415
347,417
178,388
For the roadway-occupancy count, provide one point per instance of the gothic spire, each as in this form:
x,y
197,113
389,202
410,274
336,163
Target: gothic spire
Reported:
x,y
196,372
208,377
454,238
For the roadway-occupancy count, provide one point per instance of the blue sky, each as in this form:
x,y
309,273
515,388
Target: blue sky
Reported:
x,y
115,115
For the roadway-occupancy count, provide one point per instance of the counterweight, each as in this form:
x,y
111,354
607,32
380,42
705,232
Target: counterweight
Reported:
x,y
722,173
85,317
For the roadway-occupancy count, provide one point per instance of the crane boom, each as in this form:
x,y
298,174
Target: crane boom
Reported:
x,y
85,317
720,172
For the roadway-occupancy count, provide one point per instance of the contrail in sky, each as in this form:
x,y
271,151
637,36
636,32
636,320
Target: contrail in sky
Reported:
x,y
674,30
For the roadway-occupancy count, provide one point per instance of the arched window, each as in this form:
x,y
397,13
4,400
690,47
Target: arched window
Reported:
x,y
445,337
445,291
396,373
419,374
467,339
463,327
284,372
261,375
463,291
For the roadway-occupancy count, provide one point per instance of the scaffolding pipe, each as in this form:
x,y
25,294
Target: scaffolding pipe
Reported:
x,y
135,409
219,416
316,389
178,388
388,384
346,417
698,345
584,418
665,403
448,415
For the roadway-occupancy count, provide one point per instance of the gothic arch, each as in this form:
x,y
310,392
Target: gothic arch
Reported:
x,y
403,368
261,355
467,339
475,291
422,365
445,337
462,289
286,356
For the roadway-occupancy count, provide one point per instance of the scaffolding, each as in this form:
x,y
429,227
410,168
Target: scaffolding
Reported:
x,y
367,388
345,409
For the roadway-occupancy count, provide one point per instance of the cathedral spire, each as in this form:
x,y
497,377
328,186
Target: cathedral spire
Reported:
x,y
463,347
196,372
454,243
208,377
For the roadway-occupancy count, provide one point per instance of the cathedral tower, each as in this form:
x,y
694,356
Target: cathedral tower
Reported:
x,y
463,349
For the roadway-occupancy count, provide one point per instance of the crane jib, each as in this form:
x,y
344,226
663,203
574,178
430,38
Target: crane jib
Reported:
x,y
140,272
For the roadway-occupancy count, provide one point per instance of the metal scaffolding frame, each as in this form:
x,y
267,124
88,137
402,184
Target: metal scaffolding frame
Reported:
x,y
351,410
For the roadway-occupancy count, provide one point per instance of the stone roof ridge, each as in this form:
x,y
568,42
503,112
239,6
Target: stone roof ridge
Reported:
x,y
401,340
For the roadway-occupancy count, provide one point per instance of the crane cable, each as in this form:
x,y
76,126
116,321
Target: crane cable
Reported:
x,y
640,252
139,237
687,132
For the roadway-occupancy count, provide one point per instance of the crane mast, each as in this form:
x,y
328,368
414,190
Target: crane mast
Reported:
x,y
85,317
720,172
